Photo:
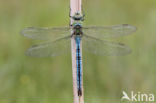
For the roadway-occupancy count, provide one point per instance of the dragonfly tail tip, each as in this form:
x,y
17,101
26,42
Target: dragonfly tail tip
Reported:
x,y
79,92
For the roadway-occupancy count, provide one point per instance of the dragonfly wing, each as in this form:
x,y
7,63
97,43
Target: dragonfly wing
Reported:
x,y
102,47
49,49
46,33
109,31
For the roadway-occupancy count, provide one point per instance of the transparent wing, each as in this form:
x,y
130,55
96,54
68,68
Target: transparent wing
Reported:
x,y
109,31
46,33
49,49
102,47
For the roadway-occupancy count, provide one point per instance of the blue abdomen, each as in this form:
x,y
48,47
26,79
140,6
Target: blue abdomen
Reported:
x,y
78,63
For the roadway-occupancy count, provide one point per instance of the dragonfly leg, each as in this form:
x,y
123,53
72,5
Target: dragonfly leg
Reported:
x,y
70,12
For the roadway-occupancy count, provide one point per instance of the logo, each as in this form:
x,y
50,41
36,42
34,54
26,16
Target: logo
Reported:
x,y
137,97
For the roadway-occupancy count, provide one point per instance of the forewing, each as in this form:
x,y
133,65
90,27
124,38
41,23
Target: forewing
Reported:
x,y
103,47
46,33
50,49
109,31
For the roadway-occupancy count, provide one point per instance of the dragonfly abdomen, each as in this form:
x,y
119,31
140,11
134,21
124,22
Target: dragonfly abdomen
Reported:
x,y
78,62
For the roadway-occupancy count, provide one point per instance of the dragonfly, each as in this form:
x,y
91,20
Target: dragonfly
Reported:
x,y
57,41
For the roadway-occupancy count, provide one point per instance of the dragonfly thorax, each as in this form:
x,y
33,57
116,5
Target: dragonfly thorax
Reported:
x,y
77,30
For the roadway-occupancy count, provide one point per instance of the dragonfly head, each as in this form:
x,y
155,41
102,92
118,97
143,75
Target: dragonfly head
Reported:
x,y
78,17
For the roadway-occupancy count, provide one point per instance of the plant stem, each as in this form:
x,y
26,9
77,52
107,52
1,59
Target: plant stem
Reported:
x,y
75,6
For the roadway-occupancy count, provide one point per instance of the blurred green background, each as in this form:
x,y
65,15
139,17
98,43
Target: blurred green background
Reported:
x,y
49,80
